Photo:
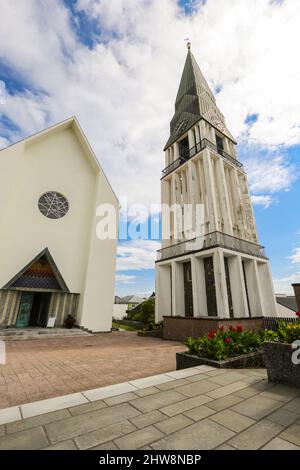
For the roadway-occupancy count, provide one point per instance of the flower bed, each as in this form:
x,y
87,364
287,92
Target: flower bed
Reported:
x,y
231,347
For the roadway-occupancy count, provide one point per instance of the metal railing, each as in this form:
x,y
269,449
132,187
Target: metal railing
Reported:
x,y
212,240
205,143
272,323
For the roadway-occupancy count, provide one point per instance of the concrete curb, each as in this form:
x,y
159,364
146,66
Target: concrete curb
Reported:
x,y
29,410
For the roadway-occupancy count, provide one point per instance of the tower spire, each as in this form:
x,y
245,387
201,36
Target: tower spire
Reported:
x,y
194,101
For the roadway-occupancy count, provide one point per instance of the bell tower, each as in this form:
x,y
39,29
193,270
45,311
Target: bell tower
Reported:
x,y
220,272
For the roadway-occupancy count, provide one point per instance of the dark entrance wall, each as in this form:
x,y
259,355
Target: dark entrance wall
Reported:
x,y
60,305
179,328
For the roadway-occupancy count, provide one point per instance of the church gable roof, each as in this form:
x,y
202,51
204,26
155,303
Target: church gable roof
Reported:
x,y
41,273
73,124
194,101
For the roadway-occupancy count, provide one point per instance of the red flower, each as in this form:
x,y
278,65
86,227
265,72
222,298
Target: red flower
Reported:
x,y
239,328
298,314
231,327
222,328
212,334
228,340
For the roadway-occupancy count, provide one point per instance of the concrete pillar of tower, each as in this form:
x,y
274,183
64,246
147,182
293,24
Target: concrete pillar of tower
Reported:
x,y
253,287
163,290
237,284
220,282
210,192
202,193
166,218
248,208
177,289
267,289
199,287
191,139
202,129
176,203
176,151
238,202
193,191
212,136
197,133
195,286
224,198
226,145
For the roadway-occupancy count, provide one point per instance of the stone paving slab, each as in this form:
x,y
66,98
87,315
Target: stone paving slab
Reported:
x,y
33,439
256,436
280,444
205,435
157,401
170,425
148,418
139,438
232,420
257,407
185,405
106,434
165,416
292,434
85,423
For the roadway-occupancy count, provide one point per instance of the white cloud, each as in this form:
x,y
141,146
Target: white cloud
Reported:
x,y
295,257
264,201
123,90
137,255
283,285
125,278
271,175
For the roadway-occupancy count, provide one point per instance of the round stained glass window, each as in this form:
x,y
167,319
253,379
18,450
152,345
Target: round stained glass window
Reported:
x,y
53,205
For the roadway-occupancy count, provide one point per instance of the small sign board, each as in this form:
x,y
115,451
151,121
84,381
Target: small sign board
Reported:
x,y
51,322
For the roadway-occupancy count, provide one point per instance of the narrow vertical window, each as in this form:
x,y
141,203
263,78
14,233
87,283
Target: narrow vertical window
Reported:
x,y
229,294
188,289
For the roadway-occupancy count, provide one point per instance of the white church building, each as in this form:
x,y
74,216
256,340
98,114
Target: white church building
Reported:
x,y
222,275
52,264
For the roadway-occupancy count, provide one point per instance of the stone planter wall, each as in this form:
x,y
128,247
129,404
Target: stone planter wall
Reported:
x,y
252,360
279,364
179,328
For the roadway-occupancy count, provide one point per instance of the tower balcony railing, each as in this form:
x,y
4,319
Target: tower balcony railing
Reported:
x,y
204,143
211,240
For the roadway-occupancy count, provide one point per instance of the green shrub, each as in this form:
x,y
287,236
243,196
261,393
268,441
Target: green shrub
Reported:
x,y
144,312
288,332
192,344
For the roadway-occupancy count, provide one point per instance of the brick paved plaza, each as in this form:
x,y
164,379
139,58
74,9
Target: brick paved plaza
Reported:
x,y
39,369
199,408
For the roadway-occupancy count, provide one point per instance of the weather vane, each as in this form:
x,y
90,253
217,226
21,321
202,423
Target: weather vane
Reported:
x,y
188,43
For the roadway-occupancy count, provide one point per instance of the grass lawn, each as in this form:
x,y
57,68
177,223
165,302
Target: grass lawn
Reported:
x,y
124,327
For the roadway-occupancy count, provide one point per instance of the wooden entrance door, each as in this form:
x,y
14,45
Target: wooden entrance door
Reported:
x,y
188,289
24,310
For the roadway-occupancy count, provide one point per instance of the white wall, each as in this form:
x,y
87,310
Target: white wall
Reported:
x,y
57,160
284,311
119,311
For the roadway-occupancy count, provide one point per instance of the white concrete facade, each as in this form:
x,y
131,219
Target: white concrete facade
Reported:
x,y
59,159
212,177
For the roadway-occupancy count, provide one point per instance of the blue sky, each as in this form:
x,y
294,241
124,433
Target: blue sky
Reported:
x,y
116,65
